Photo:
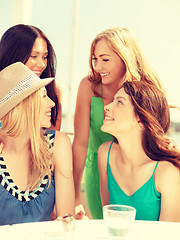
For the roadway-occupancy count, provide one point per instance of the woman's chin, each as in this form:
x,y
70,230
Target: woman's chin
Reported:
x,y
104,129
48,125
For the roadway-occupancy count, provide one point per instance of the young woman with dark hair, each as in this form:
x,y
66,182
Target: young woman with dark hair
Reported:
x,y
29,45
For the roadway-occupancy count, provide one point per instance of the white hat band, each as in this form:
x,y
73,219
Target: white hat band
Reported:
x,y
17,82
25,84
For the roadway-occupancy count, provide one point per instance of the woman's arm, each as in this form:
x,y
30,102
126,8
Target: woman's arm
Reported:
x,y
169,187
102,165
64,185
81,134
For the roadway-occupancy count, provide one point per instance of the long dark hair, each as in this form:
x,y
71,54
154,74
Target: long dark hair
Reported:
x,y
152,108
16,46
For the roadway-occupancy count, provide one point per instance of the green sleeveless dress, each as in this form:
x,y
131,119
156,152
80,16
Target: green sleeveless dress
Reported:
x,y
96,138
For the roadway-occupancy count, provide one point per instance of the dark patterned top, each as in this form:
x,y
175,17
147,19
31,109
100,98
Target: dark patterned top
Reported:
x,y
19,206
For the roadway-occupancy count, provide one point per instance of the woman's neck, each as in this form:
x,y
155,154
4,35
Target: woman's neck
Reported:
x,y
131,151
109,90
17,157
16,145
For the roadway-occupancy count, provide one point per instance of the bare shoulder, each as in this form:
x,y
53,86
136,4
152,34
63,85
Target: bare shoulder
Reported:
x,y
166,174
83,100
61,138
166,167
102,157
103,149
62,152
85,88
105,146
85,83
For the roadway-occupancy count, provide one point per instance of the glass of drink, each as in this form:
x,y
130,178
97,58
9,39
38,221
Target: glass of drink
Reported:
x,y
119,220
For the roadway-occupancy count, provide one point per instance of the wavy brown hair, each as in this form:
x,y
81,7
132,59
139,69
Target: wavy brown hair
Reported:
x,y
151,106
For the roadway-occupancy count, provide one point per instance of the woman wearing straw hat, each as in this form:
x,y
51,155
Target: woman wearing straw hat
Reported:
x,y
29,167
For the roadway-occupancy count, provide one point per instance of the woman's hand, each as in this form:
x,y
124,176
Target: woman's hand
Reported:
x,y
80,213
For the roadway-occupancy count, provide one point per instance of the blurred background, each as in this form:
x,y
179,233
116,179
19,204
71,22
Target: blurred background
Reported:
x,y
71,26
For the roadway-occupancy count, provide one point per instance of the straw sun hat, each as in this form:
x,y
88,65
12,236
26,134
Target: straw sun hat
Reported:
x,y
16,83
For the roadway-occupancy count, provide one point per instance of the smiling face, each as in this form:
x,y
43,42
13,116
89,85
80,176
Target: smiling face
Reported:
x,y
46,105
38,59
119,115
107,63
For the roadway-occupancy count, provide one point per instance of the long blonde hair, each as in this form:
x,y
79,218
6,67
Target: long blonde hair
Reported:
x,y
123,42
26,116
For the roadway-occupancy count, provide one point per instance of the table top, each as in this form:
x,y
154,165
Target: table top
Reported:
x,y
89,229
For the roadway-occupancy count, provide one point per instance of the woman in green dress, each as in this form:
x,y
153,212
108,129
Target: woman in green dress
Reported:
x,y
114,58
